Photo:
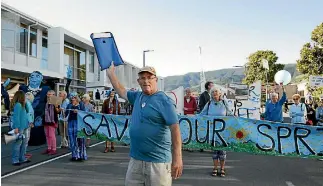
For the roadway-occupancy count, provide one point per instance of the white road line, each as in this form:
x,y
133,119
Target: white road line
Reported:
x,y
44,162
289,183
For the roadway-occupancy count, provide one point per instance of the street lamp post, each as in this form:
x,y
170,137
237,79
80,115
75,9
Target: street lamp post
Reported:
x,y
144,56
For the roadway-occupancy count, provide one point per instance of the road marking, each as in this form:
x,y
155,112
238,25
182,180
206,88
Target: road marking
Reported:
x,y
289,183
44,162
206,177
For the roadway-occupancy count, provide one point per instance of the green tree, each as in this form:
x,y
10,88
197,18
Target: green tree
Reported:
x,y
311,60
254,69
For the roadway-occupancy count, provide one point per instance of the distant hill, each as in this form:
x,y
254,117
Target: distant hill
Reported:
x,y
220,77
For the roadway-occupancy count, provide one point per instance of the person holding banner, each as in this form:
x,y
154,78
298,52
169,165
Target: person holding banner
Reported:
x,y
111,106
274,108
319,113
77,145
88,108
310,108
153,132
61,126
217,107
298,111
190,105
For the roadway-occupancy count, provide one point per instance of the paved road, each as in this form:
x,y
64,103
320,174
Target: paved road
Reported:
x,y
110,169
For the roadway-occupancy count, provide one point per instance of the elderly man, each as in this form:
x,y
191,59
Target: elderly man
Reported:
x,y
189,103
153,130
274,108
61,126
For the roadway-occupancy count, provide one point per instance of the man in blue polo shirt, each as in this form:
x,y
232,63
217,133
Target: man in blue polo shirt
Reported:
x,y
274,108
154,129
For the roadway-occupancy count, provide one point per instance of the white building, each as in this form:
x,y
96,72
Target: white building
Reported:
x,y
51,51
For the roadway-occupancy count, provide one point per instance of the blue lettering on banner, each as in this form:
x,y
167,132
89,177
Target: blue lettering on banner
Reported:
x,y
227,133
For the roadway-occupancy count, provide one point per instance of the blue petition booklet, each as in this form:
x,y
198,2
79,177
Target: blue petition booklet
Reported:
x,y
106,49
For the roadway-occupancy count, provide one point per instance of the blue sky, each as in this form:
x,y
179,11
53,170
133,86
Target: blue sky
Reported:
x,y
227,31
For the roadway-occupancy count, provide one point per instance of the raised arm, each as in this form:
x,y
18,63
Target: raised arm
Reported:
x,y
121,91
283,98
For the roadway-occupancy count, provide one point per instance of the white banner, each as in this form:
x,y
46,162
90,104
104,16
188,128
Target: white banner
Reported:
x,y
178,96
316,81
248,108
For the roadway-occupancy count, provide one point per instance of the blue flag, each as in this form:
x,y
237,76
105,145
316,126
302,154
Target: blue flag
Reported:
x,y
106,49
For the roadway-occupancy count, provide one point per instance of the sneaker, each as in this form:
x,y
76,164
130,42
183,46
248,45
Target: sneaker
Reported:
x,y
52,152
16,164
46,151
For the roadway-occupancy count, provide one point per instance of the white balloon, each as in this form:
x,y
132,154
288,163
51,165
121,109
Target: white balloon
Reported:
x,y
283,77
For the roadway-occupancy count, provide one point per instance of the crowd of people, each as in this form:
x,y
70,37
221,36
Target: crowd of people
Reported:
x,y
156,145
212,102
58,119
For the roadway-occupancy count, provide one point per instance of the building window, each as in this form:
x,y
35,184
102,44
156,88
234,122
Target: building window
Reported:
x,y
69,59
74,57
23,34
23,38
7,30
91,64
33,42
81,65
44,59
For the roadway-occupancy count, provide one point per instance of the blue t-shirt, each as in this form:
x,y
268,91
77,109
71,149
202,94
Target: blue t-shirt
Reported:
x,y
149,130
274,111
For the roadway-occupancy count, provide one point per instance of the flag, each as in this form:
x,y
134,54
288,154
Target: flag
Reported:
x,y
265,64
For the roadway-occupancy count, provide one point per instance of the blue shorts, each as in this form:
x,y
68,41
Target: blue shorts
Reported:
x,y
220,155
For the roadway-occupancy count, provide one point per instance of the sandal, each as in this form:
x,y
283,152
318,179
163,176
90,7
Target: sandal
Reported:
x,y
215,172
106,150
222,173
